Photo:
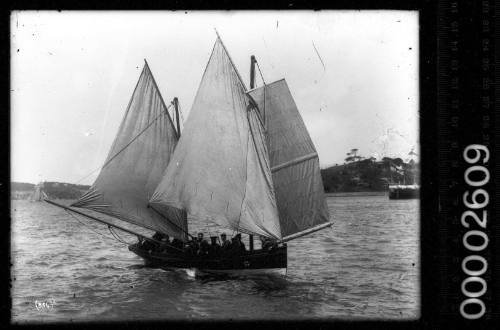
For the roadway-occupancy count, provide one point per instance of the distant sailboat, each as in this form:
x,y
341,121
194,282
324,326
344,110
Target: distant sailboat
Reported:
x,y
245,161
38,194
402,191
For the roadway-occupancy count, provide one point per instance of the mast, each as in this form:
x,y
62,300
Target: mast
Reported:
x,y
252,85
252,72
176,106
161,97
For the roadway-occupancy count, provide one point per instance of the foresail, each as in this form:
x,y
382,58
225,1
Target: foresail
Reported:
x,y
294,161
138,157
220,170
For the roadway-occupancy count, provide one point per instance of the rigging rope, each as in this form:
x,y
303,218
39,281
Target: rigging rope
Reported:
x,y
258,66
180,113
71,214
115,234
126,146
173,110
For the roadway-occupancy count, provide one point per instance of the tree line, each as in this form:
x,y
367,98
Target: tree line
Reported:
x,y
360,173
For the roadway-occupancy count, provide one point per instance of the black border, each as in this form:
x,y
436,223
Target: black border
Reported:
x,y
433,151
426,16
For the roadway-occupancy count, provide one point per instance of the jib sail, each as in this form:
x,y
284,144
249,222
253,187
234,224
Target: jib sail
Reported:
x,y
138,157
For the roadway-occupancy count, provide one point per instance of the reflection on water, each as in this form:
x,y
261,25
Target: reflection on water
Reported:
x,y
366,266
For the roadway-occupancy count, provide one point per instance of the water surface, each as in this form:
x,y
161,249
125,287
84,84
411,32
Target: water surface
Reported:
x,y
365,267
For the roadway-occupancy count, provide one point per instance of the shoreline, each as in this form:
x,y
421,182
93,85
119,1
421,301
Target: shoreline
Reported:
x,y
356,193
330,194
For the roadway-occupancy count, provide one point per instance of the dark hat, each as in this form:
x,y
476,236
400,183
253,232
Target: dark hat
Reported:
x,y
223,234
238,236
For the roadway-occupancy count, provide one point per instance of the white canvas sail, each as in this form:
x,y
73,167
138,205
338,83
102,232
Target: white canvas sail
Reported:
x,y
36,194
294,162
138,157
220,172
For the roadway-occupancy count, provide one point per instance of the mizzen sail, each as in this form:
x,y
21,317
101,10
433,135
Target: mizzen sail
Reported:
x,y
220,172
138,157
294,162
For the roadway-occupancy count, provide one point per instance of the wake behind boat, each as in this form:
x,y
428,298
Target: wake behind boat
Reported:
x,y
38,193
245,162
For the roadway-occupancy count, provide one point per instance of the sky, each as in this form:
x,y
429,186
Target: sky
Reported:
x,y
353,75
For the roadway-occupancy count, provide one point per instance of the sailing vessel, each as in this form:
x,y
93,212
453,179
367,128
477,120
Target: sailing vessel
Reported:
x,y
406,191
38,194
245,162
402,191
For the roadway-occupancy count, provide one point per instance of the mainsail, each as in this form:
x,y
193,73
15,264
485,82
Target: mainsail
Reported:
x,y
138,157
294,162
220,170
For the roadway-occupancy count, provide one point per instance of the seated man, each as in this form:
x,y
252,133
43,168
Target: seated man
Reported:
x,y
267,243
214,249
226,244
237,246
191,247
157,236
165,239
177,243
203,245
241,244
148,245
165,243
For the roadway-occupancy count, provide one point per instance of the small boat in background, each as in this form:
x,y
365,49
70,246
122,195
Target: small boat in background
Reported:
x,y
38,194
404,191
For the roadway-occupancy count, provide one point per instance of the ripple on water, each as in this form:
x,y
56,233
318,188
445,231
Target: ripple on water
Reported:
x,y
362,268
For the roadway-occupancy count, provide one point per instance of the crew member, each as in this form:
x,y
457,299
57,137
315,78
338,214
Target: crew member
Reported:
x,y
268,244
237,246
203,245
177,243
214,249
226,244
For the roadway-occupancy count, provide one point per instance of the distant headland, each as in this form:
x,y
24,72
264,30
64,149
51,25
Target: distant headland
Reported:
x,y
367,174
54,190
357,174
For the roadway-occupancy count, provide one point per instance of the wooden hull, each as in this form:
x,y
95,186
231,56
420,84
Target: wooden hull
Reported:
x,y
249,263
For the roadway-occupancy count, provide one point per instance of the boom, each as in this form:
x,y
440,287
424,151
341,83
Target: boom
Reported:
x,y
100,220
